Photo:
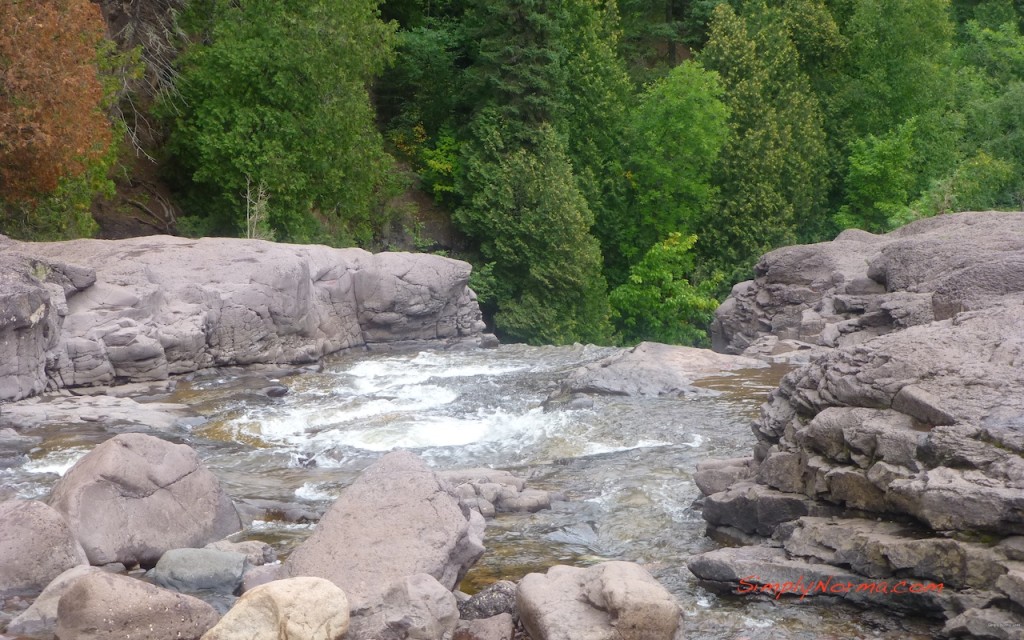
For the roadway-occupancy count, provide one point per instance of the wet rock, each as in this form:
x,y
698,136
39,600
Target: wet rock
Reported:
x,y
103,606
499,627
40,619
652,369
396,520
275,510
87,313
754,508
495,599
255,576
36,545
135,497
291,609
256,552
113,412
713,476
190,570
275,391
609,601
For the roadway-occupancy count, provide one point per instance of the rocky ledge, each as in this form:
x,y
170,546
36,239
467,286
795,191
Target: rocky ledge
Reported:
x,y
895,455
99,312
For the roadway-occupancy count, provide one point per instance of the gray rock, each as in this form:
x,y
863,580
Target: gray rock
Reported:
x,y
88,312
653,369
40,619
190,570
396,520
104,606
609,601
499,627
135,496
256,552
417,607
985,624
495,599
255,576
36,546
292,609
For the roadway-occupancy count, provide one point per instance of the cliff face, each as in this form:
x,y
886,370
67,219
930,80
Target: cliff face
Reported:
x,y
897,451
95,312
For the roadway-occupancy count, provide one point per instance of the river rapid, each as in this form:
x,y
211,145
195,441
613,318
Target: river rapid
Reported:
x,y
623,465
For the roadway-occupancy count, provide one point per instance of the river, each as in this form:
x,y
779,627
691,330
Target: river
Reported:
x,y
624,465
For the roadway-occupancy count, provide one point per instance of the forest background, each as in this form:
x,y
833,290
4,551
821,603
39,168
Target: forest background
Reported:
x,y
609,168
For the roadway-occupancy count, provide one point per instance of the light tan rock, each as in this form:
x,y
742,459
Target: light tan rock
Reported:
x,y
291,609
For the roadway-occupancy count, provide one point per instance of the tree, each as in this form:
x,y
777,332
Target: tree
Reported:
x,y
659,303
55,137
522,205
674,138
275,95
773,172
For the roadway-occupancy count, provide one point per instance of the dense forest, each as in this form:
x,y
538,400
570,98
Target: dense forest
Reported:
x,y
609,167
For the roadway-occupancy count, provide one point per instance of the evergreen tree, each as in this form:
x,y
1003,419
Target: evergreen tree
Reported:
x,y
275,96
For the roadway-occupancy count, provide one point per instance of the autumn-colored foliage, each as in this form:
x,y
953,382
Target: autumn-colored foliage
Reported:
x,y
52,123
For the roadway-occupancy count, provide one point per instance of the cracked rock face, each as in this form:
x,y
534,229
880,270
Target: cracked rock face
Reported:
x,y
98,312
911,411
136,496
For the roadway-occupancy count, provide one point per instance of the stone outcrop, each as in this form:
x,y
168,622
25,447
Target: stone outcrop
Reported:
x,y
398,519
105,606
99,312
653,369
36,545
292,609
905,427
135,497
609,601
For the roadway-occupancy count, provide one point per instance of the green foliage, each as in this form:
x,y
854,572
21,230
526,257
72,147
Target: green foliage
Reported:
x,y
440,165
674,138
276,94
522,205
879,180
977,184
773,172
659,303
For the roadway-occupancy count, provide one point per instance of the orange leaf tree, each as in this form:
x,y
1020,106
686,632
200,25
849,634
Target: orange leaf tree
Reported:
x,y
53,125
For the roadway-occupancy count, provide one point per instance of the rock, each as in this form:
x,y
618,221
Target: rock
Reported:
x,y
190,570
291,609
114,412
499,627
984,624
415,608
40,619
652,369
255,576
713,476
490,491
396,520
92,312
256,552
135,497
754,508
104,606
275,391
495,599
609,601
36,546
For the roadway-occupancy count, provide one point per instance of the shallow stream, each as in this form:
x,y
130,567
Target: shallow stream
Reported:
x,y
624,465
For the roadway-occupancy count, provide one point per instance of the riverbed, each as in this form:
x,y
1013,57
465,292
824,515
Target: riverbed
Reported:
x,y
623,465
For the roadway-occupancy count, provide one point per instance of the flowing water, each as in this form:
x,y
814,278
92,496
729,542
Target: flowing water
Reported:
x,y
623,465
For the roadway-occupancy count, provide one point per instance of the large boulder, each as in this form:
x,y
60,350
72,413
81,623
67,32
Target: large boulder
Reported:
x,y
904,425
653,369
104,606
191,570
90,312
292,609
609,601
36,545
396,520
134,497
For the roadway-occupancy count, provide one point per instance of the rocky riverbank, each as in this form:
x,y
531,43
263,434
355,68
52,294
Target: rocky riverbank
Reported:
x,y
91,313
895,456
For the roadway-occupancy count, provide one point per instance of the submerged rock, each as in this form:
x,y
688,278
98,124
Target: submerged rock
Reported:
x,y
653,369
135,497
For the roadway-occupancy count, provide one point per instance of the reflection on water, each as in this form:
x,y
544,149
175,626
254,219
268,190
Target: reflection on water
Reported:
x,y
624,464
